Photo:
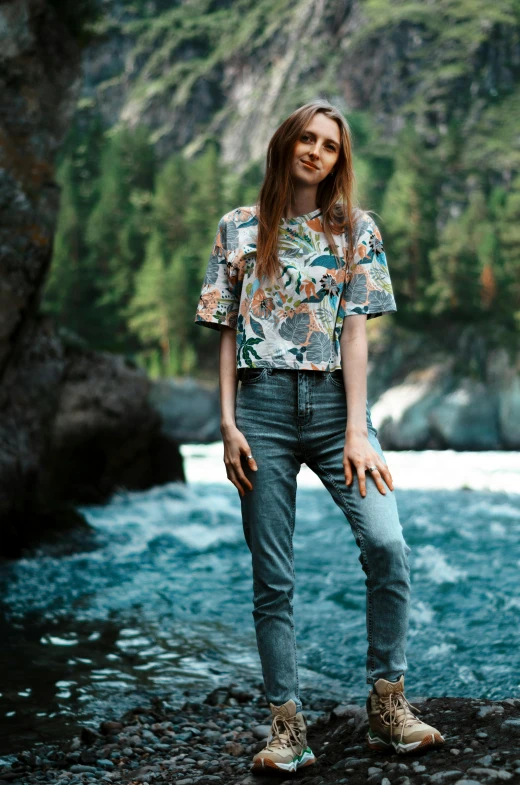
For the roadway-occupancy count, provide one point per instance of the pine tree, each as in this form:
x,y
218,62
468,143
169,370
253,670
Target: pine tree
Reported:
x,y
409,213
508,221
149,310
117,231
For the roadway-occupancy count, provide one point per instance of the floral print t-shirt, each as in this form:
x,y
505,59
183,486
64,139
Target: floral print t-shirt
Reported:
x,y
296,322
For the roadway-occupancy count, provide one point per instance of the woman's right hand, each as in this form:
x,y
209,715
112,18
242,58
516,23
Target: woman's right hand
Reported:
x,y
236,446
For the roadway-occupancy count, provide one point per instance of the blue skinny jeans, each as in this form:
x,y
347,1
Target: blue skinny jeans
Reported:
x,y
290,417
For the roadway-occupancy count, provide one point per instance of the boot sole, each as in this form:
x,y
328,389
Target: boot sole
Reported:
x,y
430,740
262,764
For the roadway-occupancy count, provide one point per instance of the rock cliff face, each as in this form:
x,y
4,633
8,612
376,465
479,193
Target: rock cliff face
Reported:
x,y
190,70
443,392
54,401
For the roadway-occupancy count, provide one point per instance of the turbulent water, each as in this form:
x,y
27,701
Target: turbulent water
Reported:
x,y
160,602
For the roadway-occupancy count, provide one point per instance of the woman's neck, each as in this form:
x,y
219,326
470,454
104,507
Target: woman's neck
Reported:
x,y
303,202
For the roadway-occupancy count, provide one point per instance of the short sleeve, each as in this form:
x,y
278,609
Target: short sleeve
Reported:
x,y
369,289
219,299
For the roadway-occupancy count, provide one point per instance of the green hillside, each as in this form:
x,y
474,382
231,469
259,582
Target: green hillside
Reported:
x,y
178,105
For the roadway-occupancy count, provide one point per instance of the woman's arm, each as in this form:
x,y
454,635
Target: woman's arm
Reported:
x,y
227,376
358,450
235,443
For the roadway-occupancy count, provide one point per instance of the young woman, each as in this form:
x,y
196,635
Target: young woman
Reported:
x,y
290,284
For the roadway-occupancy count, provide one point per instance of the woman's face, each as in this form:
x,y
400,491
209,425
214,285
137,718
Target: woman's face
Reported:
x,y
316,151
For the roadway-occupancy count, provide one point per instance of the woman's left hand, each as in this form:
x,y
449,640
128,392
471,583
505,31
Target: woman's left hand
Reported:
x,y
358,452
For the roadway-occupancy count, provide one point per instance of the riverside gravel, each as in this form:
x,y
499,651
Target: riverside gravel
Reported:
x,y
211,742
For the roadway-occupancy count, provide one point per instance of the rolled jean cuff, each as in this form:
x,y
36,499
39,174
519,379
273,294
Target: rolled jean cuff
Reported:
x,y
388,677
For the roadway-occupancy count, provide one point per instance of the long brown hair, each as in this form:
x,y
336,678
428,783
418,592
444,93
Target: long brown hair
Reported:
x,y
334,194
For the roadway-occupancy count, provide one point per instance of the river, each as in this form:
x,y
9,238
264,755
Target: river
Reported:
x,y
160,602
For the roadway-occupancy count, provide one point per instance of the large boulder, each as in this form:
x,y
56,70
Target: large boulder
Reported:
x,y
189,410
75,425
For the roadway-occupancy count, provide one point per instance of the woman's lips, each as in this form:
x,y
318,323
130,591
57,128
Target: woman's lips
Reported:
x,y
306,163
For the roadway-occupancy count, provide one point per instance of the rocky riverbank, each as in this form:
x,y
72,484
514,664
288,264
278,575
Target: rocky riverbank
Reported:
x,y
212,741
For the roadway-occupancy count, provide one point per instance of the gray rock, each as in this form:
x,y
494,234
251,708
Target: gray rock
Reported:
x,y
486,760
442,776
77,767
485,711
107,764
489,775
376,778
467,782
190,414
354,762
261,731
346,710
511,726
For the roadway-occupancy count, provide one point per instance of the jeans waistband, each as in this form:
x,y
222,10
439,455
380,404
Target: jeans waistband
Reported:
x,y
245,372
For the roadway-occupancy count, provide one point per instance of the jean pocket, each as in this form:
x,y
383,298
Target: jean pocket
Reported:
x,y
251,375
336,378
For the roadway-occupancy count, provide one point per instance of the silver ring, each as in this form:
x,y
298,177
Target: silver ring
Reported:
x,y
372,468
248,456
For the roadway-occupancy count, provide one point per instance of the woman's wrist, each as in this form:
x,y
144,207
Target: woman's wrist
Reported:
x,y
356,430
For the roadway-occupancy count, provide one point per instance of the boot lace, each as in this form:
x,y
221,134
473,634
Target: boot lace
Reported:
x,y
397,710
284,733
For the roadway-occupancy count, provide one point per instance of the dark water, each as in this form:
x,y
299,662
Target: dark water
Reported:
x,y
162,606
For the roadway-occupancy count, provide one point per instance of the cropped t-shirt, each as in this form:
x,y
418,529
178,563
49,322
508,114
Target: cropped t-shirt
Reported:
x,y
297,321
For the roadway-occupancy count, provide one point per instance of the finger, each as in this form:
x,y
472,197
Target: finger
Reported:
x,y
376,476
361,479
245,451
232,480
232,477
232,474
387,477
348,471
241,477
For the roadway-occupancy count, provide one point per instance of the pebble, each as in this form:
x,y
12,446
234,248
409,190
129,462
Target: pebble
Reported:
x,y
376,778
490,774
261,731
467,782
485,711
486,760
511,726
212,744
82,767
345,710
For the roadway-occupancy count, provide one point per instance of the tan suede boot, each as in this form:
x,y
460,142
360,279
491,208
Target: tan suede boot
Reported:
x,y
392,723
286,747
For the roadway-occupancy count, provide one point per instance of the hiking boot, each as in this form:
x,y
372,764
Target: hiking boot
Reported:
x,y
286,747
392,722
